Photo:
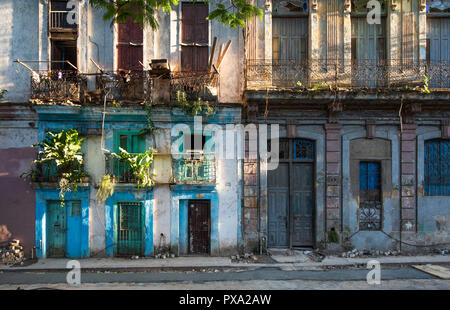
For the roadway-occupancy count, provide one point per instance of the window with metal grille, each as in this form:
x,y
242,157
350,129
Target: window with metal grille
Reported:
x,y
369,195
437,167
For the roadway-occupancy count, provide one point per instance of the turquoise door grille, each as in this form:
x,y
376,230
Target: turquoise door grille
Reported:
x,y
130,229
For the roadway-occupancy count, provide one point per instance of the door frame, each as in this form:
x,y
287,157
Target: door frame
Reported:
x,y
189,226
290,214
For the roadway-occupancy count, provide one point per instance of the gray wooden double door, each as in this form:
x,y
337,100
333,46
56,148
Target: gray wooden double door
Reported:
x,y
291,202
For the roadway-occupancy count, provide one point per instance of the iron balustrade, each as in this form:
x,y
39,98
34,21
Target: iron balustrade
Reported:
x,y
120,169
58,20
56,85
203,85
200,170
363,74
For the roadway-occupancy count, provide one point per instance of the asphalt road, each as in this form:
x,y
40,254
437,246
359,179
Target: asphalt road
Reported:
x,y
262,274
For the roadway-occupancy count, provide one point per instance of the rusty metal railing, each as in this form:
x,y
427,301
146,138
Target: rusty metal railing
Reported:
x,y
203,85
368,74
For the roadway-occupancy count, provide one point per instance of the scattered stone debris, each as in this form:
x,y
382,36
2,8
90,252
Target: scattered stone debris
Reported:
x,y
246,258
12,253
369,253
442,251
165,255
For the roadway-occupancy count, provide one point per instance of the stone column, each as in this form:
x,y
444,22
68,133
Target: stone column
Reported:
x,y
408,176
332,158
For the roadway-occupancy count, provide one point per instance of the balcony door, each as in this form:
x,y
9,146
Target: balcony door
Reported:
x,y
289,50
194,37
130,46
368,52
438,51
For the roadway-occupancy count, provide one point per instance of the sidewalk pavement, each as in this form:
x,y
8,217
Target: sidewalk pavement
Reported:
x,y
215,263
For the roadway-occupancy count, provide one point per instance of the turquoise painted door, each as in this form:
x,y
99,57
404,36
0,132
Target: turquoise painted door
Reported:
x,y
74,229
130,229
56,229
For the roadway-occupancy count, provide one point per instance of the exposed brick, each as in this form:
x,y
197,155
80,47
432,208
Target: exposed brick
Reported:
x,y
333,224
333,157
408,157
408,179
409,127
333,214
250,202
333,191
408,214
408,202
250,214
408,135
408,191
249,179
250,190
333,135
332,168
332,202
333,146
408,225
250,168
408,168
408,146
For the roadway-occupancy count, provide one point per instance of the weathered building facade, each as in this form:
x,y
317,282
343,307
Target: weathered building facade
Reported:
x,y
363,113
363,145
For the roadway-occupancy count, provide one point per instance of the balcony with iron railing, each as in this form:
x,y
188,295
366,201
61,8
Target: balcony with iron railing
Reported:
x,y
350,74
60,21
48,172
194,170
123,86
120,169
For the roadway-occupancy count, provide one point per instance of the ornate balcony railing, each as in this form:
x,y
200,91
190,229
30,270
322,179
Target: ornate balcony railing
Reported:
x,y
49,172
368,74
120,169
204,85
122,85
58,20
195,171
57,85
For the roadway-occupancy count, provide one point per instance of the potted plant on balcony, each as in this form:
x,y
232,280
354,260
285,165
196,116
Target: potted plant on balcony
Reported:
x,y
63,151
139,166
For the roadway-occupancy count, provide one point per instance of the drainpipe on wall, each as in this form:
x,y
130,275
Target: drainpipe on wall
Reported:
x,y
258,181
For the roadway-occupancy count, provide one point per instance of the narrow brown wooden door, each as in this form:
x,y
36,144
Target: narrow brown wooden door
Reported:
x,y
130,46
199,226
194,37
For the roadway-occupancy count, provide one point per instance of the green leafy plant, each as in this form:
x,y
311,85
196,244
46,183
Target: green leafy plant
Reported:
x,y
150,126
2,93
195,107
106,187
425,84
145,11
63,150
321,86
139,164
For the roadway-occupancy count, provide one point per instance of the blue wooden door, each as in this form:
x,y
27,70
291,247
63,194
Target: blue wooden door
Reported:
x,y
74,229
56,229
130,229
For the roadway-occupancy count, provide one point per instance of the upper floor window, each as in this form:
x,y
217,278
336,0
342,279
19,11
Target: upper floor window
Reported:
x,y
194,36
437,168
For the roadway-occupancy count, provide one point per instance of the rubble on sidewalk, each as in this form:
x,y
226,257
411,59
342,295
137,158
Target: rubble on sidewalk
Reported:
x,y
11,253
368,253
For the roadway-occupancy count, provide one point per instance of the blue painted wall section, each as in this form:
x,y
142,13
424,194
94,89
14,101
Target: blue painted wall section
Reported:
x,y
128,193
77,229
179,216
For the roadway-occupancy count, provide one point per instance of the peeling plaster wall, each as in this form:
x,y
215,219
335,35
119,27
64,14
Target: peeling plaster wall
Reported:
x,y
19,39
17,204
95,168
